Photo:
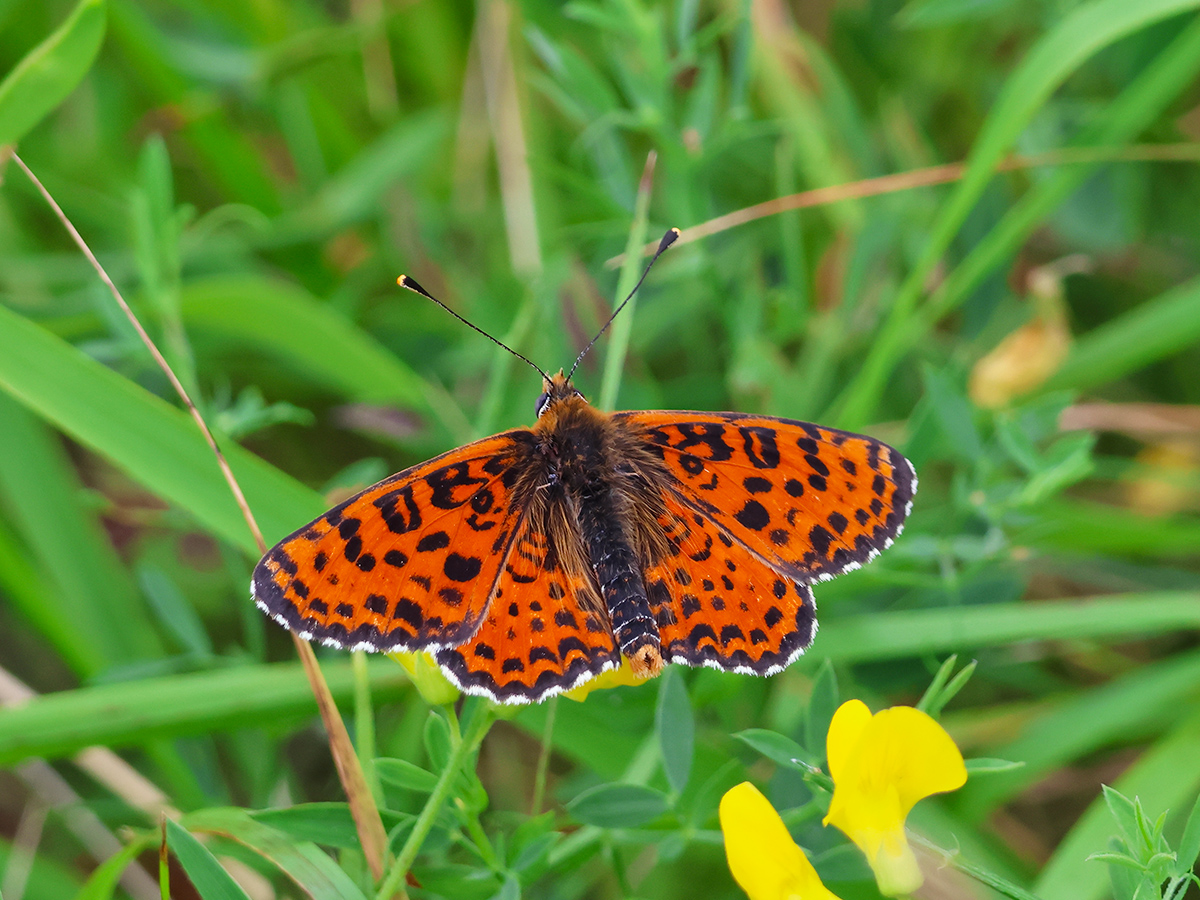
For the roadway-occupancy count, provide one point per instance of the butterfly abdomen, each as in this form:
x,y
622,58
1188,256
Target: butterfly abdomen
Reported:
x,y
619,577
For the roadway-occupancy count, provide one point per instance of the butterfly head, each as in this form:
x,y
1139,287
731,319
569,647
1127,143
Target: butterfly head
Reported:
x,y
556,389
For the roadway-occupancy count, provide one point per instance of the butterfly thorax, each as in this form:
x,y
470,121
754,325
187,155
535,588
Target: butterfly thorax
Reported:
x,y
600,490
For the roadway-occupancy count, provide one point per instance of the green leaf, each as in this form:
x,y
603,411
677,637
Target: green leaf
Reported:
x,y
1125,813
175,613
532,841
327,824
157,444
1072,729
676,728
1157,328
822,704
102,883
306,864
618,805
982,765
65,722
437,739
954,416
310,338
210,880
935,13
950,691
49,72
94,613
1189,844
510,890
406,775
890,635
1124,879
778,748
934,691
1162,777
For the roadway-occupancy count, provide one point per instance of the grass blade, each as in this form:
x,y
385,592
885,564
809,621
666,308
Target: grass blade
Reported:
x,y
50,71
59,724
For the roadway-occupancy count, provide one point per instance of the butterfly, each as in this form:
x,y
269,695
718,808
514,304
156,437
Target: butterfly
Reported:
x,y
534,560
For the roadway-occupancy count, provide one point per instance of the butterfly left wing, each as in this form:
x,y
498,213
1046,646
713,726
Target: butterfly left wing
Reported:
x,y
410,563
546,630
813,502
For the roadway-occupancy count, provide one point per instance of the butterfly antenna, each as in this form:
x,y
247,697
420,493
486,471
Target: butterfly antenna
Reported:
x,y
667,240
405,282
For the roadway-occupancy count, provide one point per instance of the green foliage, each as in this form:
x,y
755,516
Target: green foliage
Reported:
x,y
50,71
1141,863
255,176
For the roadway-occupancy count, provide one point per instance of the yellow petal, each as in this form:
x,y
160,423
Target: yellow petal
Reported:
x,y
923,758
845,729
882,765
762,856
427,677
622,675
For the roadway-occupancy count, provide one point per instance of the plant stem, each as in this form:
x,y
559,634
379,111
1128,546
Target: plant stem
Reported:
x,y
461,749
543,765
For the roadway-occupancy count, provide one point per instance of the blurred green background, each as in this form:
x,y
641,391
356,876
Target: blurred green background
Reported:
x,y
255,175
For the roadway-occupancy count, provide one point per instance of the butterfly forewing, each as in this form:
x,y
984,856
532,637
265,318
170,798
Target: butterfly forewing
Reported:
x,y
813,501
409,563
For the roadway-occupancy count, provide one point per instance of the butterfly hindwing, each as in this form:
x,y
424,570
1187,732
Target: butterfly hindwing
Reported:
x,y
813,501
719,604
408,564
545,632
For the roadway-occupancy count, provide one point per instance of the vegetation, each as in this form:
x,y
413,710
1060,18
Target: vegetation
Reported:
x,y
255,175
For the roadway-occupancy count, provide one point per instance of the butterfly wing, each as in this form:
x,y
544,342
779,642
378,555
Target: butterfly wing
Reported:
x,y
814,502
719,604
546,630
410,563
759,508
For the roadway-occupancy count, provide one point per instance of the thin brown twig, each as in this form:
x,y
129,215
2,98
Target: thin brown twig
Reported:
x,y
914,178
1147,420
370,828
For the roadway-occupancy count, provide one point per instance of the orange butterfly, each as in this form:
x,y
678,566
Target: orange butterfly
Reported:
x,y
535,559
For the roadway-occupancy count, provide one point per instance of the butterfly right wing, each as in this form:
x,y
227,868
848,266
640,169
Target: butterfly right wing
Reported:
x,y
813,501
717,603
410,563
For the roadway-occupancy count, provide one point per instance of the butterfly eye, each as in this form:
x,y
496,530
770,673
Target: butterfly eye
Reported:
x,y
540,407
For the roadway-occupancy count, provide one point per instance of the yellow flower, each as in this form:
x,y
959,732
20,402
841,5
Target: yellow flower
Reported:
x,y
622,675
881,766
762,856
427,677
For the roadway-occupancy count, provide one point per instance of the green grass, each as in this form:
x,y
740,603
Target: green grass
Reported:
x,y
255,176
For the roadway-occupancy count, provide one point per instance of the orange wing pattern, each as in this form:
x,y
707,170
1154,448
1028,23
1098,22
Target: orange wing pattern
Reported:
x,y
546,630
409,564
719,604
813,502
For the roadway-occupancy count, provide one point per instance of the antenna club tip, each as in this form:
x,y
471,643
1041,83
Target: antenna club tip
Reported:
x,y
668,239
411,284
